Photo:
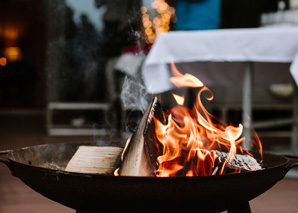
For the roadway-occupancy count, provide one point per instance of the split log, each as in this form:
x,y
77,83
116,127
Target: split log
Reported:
x,y
94,160
140,156
243,162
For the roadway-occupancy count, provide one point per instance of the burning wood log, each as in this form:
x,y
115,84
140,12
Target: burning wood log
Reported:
x,y
243,163
140,157
94,160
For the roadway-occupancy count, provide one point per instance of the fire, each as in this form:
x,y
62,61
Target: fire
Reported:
x,y
190,135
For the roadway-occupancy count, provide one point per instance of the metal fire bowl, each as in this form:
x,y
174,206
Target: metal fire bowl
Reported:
x,y
42,168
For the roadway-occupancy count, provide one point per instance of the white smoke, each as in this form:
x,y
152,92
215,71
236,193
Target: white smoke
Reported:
x,y
134,95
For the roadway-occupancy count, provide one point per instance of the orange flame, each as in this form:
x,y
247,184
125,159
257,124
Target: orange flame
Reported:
x,y
179,99
116,172
190,135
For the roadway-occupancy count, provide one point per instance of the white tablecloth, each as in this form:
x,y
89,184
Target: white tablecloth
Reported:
x,y
189,49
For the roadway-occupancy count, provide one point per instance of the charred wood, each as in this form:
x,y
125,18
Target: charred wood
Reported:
x,y
240,162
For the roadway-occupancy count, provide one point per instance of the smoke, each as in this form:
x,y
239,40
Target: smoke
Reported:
x,y
134,98
134,95
78,48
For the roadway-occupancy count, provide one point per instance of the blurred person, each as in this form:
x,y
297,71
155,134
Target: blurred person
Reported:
x,y
197,14
122,22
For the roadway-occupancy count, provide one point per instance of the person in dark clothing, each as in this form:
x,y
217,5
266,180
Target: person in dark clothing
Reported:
x,y
197,14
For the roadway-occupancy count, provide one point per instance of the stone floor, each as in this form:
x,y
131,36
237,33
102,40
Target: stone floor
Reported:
x,y
17,132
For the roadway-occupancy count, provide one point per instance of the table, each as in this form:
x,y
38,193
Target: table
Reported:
x,y
268,44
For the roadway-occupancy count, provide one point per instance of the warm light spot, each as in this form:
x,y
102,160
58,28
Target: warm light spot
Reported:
x,y
172,10
3,61
158,31
160,21
11,33
166,17
148,31
13,53
145,17
147,24
143,10
156,21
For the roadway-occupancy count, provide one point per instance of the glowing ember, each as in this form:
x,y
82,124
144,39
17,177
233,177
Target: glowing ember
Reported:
x,y
190,136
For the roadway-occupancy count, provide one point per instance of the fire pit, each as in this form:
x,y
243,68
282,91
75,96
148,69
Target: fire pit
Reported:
x,y
157,170
42,169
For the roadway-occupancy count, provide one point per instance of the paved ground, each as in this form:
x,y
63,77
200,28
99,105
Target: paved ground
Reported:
x,y
16,132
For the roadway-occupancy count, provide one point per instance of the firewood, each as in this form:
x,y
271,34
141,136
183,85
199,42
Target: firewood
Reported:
x,y
94,160
243,162
140,157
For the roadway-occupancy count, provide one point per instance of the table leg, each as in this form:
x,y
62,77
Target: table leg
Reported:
x,y
294,139
247,94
